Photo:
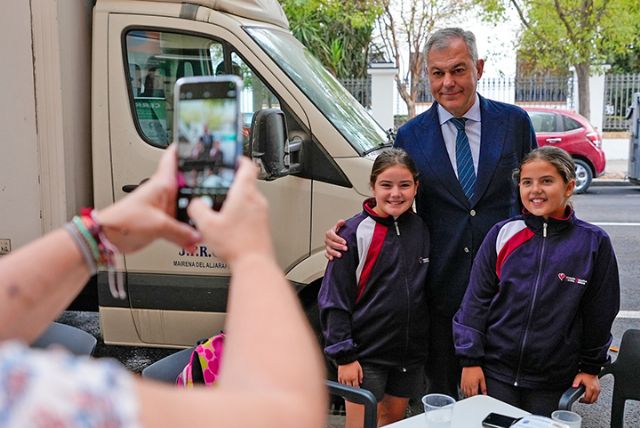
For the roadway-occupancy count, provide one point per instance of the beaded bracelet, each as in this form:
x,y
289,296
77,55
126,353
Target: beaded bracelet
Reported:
x,y
114,259
97,251
81,243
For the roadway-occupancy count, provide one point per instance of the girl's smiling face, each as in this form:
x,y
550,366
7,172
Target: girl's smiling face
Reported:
x,y
394,191
543,191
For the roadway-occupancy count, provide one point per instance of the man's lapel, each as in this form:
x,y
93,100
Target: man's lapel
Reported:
x,y
431,143
492,139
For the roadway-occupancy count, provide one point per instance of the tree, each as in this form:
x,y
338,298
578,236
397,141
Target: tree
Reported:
x,y
627,61
404,28
572,33
338,32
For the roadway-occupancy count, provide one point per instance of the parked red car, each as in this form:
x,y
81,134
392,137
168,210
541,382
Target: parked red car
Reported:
x,y
573,133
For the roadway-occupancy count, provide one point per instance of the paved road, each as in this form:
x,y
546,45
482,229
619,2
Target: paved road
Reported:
x,y
616,209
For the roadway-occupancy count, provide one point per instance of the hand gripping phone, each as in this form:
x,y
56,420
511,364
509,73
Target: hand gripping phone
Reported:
x,y
208,133
496,420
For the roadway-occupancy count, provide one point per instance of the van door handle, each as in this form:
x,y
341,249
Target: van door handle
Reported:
x,y
553,140
128,188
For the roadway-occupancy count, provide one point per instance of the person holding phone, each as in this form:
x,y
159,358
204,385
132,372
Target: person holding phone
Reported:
x,y
47,388
373,300
543,294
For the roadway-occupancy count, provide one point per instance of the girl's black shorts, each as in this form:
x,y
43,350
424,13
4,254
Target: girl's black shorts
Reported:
x,y
403,382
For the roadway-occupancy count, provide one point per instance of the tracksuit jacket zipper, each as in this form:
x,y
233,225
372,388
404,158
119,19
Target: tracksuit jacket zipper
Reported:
x,y
406,287
533,302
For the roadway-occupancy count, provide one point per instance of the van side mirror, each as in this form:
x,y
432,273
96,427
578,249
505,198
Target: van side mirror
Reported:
x,y
269,144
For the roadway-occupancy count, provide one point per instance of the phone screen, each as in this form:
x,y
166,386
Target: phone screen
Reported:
x,y
209,138
496,420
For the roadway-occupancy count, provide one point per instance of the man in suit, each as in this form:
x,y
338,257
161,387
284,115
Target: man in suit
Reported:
x,y
465,147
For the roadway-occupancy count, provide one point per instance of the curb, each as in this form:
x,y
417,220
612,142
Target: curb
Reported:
x,y
605,182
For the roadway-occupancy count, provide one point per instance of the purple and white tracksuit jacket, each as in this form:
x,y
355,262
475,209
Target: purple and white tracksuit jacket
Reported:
x,y
540,303
373,300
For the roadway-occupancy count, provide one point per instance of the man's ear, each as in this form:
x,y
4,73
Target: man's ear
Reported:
x,y
480,67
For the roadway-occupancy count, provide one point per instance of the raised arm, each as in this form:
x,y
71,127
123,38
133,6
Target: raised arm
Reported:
x,y
39,280
272,373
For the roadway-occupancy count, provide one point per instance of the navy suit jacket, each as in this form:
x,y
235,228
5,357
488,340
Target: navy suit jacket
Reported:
x,y
457,225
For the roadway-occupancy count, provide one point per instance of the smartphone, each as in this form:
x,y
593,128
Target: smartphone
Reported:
x,y
208,133
496,420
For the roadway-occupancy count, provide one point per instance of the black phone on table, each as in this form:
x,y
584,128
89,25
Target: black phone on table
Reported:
x,y
496,420
208,132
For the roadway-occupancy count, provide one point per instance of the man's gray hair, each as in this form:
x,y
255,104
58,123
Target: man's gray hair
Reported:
x,y
441,39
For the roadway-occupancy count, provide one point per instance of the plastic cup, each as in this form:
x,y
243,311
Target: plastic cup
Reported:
x,y
438,410
571,419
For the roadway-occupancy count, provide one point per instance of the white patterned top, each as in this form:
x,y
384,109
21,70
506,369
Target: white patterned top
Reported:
x,y
56,389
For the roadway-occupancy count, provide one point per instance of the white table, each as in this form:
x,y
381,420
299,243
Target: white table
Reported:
x,y
467,413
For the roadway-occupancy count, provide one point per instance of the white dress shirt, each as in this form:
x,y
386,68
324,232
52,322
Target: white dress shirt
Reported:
x,y
472,128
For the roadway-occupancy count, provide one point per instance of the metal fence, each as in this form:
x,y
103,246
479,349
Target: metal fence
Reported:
x,y
360,89
545,91
618,93
549,90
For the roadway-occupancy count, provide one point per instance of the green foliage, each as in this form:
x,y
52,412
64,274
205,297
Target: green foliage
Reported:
x,y
628,59
626,62
558,34
338,32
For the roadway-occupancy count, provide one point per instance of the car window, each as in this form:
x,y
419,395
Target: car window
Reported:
x,y
155,60
543,121
570,124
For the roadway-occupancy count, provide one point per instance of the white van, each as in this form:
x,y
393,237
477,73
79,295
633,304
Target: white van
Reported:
x,y
87,112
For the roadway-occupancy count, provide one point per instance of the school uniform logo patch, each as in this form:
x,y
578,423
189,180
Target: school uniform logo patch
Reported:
x,y
571,279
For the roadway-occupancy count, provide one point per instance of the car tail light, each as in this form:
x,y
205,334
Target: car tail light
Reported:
x,y
595,139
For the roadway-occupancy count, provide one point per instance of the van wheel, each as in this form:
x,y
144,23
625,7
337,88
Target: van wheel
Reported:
x,y
583,176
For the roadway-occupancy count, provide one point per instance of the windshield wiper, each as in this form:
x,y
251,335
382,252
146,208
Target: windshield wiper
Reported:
x,y
380,147
391,138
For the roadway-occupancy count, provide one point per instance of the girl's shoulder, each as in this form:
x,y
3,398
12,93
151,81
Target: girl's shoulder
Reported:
x,y
414,219
351,225
515,222
591,228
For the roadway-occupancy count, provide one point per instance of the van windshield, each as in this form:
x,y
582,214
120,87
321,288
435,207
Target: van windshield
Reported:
x,y
334,101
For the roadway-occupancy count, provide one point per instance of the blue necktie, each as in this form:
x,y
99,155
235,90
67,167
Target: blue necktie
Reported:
x,y
464,161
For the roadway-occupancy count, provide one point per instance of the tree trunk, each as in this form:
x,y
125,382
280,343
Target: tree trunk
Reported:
x,y
583,72
411,108
405,94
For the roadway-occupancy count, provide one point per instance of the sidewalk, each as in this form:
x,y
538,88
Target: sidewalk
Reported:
x,y
615,173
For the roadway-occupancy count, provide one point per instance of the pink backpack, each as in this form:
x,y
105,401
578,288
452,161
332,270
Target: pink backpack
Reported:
x,y
204,363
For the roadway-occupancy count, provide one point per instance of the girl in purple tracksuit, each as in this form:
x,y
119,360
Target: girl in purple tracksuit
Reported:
x,y
543,293
373,299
